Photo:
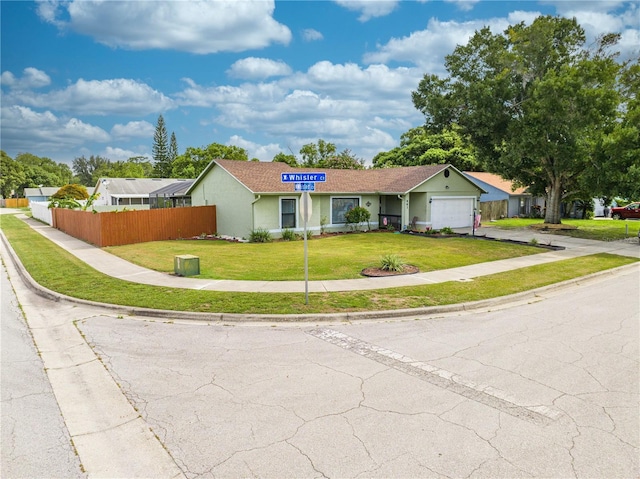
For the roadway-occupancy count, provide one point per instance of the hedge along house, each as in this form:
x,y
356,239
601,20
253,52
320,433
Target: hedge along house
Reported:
x,y
250,195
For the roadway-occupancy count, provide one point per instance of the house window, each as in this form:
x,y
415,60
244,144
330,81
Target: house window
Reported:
x,y
339,206
287,213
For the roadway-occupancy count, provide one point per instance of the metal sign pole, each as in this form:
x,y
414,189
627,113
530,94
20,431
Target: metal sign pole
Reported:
x,y
305,206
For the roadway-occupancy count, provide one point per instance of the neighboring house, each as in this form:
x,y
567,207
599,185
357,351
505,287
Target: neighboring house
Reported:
x,y
519,201
128,191
249,195
40,194
171,196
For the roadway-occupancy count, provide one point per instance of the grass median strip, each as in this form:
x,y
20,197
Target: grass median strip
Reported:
x,y
58,270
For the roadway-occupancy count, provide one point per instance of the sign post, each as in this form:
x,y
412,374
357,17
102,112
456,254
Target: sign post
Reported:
x,y
305,182
305,212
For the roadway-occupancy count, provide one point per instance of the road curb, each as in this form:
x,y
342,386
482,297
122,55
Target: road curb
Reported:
x,y
290,318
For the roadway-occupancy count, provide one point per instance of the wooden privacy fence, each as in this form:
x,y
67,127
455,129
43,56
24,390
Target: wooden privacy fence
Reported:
x,y
494,210
128,227
15,202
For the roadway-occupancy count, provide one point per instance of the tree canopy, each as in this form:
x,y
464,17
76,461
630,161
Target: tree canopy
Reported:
x,y
88,171
322,154
534,102
31,171
418,146
194,160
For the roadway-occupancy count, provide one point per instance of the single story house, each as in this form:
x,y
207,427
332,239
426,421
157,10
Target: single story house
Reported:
x,y
249,195
40,194
171,196
519,201
128,191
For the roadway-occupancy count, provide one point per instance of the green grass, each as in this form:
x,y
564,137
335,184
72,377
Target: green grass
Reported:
x,y
601,230
336,257
58,270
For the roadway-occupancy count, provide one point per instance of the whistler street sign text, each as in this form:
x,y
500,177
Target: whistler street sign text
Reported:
x,y
304,177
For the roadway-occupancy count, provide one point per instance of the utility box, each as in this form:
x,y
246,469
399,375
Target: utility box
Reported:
x,y
186,265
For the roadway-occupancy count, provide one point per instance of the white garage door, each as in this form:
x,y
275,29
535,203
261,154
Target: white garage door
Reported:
x,y
452,212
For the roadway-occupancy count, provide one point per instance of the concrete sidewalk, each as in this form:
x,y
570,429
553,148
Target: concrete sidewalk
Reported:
x,y
121,269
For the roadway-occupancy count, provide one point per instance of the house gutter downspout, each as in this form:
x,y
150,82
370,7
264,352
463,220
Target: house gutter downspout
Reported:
x,y
253,216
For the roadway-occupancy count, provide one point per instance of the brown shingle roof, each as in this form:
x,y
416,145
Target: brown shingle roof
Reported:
x,y
497,182
265,177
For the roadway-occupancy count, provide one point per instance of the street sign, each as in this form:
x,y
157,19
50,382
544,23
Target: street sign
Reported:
x,y
305,182
305,187
303,177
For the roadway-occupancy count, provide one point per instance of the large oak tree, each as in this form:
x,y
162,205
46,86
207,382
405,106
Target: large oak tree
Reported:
x,y
534,101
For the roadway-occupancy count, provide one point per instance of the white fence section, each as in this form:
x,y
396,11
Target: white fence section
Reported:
x,y
40,211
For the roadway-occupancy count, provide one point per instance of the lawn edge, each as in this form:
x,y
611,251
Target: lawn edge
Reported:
x,y
51,295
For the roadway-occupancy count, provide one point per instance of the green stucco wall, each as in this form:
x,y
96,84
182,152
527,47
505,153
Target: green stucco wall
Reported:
x,y
232,200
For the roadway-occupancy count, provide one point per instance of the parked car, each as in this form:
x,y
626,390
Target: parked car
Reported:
x,y
632,210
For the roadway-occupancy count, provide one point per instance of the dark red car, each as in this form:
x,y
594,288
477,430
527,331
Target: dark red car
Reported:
x,y
632,210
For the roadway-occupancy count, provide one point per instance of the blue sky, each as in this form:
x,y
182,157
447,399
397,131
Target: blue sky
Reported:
x,y
91,78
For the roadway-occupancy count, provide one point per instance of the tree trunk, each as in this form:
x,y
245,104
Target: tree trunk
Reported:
x,y
552,214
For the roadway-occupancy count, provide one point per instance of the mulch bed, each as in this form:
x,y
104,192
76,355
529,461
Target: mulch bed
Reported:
x,y
378,272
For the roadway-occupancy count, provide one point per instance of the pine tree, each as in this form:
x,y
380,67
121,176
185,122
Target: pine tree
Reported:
x,y
160,151
173,148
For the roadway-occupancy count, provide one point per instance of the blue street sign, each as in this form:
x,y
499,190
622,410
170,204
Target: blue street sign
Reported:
x,y
305,187
304,177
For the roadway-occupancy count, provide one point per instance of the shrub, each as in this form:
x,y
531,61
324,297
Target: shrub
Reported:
x,y
391,262
260,235
357,215
73,191
324,221
446,230
288,235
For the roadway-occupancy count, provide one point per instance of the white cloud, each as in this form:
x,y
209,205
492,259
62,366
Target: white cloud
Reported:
x,y
8,79
202,27
133,129
350,80
98,97
258,68
120,154
353,107
598,18
427,48
31,78
464,5
24,129
256,150
369,8
311,35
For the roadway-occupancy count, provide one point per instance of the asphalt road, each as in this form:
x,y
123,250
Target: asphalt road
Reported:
x,y
548,389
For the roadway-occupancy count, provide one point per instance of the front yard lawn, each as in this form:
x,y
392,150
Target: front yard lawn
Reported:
x,y
58,270
335,257
601,230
